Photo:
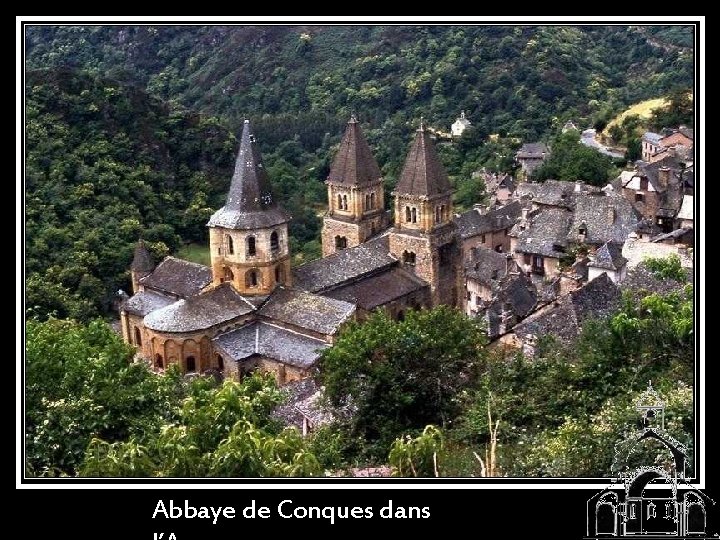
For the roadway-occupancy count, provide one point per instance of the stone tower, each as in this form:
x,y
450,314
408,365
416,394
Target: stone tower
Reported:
x,y
424,237
356,203
249,235
142,265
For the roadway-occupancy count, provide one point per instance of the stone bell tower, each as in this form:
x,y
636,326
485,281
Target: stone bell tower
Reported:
x,y
425,238
249,235
356,203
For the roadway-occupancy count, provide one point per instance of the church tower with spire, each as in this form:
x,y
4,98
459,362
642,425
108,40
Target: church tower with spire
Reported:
x,y
424,237
249,235
356,203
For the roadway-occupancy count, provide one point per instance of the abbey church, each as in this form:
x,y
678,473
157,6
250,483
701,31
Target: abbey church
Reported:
x,y
250,310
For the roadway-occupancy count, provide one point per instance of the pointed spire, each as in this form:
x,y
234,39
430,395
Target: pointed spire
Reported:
x,y
250,203
354,164
423,174
142,260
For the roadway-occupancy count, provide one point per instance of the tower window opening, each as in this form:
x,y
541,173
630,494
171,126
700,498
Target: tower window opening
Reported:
x,y
274,241
251,246
230,246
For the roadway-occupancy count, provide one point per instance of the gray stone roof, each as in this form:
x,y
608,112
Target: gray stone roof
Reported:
x,y
473,223
344,266
564,318
495,181
379,289
200,312
485,265
677,234
605,218
270,341
306,310
250,202
536,150
609,257
423,175
516,294
641,280
652,137
142,260
294,392
546,233
146,301
354,164
178,277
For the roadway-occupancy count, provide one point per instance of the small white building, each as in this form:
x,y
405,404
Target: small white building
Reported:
x,y
460,125
685,215
608,259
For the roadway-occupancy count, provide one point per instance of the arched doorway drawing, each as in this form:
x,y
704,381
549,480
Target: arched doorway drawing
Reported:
x,y
695,518
606,515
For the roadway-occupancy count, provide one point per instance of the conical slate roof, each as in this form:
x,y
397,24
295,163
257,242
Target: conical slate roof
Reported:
x,y
354,164
423,175
250,202
142,260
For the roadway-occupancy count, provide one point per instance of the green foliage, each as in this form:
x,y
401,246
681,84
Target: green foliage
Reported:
x,y
571,160
81,383
401,376
417,457
679,112
666,268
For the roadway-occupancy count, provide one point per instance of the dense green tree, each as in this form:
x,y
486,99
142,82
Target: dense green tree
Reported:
x,y
399,376
571,160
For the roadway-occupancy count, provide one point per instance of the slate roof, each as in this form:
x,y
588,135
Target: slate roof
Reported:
x,y
688,132
495,181
607,218
423,175
354,164
178,277
270,341
515,292
535,150
552,192
652,137
609,257
306,310
676,234
213,307
473,223
294,392
485,265
146,301
641,280
344,266
250,202
142,260
379,289
564,318
546,234
686,208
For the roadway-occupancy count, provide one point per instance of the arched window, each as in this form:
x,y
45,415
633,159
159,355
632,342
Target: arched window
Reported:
x,y
274,241
190,364
228,274
367,201
372,200
230,246
220,362
409,258
339,203
344,202
408,214
159,361
414,215
251,278
251,247
279,274
340,242
138,337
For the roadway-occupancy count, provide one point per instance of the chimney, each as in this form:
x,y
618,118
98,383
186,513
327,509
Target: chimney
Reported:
x,y
664,176
480,208
578,186
611,214
524,213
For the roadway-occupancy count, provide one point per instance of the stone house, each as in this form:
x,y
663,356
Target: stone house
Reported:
x,y
671,142
488,228
609,260
530,156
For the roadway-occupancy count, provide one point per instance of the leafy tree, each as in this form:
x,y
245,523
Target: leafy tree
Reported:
x,y
680,110
400,376
666,268
417,457
571,160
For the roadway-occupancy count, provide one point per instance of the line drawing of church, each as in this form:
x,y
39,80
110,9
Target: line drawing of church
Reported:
x,y
657,501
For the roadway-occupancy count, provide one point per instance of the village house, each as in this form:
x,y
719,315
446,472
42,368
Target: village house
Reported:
x,y
488,228
530,156
608,259
498,187
671,142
